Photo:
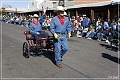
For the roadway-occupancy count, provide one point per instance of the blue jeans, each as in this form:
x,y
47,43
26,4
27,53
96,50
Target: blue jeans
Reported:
x,y
90,35
42,34
25,23
61,47
100,36
17,21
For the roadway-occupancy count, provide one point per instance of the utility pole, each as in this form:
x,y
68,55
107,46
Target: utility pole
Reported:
x,y
16,11
118,9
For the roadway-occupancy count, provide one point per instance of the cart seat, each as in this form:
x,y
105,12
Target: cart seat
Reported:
x,y
30,37
26,32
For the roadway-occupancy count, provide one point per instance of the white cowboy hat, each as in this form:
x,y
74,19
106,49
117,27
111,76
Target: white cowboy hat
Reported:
x,y
65,13
35,15
59,8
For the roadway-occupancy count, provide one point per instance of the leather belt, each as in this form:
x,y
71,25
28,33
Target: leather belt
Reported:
x,y
60,33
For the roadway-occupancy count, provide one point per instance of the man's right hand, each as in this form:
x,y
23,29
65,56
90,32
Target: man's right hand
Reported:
x,y
44,11
56,36
37,33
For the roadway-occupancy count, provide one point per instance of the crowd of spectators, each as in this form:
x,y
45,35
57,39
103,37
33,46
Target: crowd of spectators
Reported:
x,y
99,29
23,21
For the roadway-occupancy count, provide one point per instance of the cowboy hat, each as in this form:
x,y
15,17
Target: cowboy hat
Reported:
x,y
59,8
35,16
65,13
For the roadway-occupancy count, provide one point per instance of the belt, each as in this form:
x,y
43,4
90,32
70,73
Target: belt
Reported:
x,y
60,33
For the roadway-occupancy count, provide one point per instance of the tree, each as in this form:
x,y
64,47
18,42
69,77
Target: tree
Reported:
x,y
2,11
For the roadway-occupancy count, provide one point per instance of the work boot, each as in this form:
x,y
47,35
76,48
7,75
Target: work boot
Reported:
x,y
59,65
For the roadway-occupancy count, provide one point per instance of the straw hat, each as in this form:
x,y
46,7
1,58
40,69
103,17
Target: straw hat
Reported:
x,y
35,16
59,8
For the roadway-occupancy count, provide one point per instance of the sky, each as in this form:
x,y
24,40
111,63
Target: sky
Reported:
x,y
16,3
20,3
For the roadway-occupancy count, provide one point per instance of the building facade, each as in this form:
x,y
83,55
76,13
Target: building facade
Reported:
x,y
39,4
78,2
32,5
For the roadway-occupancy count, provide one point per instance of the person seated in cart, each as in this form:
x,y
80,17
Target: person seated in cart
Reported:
x,y
35,26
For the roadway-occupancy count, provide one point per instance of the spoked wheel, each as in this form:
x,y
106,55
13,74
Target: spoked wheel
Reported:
x,y
26,50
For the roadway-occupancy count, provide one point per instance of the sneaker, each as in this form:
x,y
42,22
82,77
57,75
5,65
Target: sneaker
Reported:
x,y
89,38
103,39
79,36
106,41
98,39
59,65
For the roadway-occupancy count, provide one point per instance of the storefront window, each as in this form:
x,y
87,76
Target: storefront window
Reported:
x,y
32,4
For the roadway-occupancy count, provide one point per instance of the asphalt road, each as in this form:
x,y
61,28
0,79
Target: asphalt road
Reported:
x,y
86,59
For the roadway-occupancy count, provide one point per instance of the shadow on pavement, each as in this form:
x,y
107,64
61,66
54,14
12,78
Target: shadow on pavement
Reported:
x,y
107,46
112,58
38,53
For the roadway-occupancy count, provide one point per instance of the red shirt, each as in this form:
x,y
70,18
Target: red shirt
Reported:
x,y
61,19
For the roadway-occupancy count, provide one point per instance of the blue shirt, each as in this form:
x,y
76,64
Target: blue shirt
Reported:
x,y
56,26
105,25
85,22
33,28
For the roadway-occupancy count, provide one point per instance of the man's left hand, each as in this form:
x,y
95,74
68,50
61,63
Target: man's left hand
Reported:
x,y
69,35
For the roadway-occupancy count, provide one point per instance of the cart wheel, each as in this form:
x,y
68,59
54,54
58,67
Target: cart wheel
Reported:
x,y
26,50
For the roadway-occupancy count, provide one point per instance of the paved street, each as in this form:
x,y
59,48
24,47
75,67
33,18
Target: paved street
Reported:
x,y
86,59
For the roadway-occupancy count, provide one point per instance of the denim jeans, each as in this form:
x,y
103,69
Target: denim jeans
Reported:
x,y
25,23
100,36
61,47
42,34
90,35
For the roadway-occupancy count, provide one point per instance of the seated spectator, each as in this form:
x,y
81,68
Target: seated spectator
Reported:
x,y
84,32
99,33
17,20
115,32
106,31
12,21
91,32
72,28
